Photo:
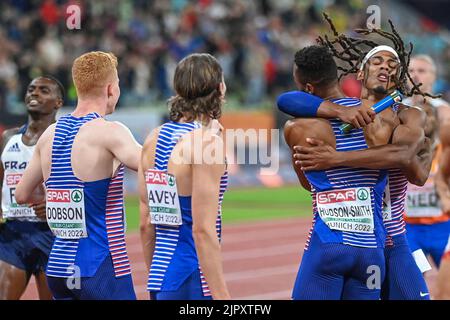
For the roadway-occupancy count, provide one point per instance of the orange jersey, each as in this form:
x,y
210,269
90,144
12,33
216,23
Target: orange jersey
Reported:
x,y
422,204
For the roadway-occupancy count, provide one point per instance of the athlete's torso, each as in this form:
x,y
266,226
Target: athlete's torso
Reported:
x,y
15,158
175,257
347,202
88,218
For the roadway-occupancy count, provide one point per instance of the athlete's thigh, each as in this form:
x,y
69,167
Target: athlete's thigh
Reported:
x,y
59,288
191,289
320,275
105,286
443,279
439,238
414,238
42,286
400,262
367,275
13,281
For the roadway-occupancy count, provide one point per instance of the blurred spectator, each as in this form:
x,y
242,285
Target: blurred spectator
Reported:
x,y
255,42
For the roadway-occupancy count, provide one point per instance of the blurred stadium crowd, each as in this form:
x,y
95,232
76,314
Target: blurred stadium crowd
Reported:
x,y
253,40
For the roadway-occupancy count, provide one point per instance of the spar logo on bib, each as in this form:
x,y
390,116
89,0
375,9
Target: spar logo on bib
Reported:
x,y
76,196
362,194
171,181
64,196
157,177
337,196
58,195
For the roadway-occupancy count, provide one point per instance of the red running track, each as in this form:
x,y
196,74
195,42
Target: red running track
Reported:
x,y
261,259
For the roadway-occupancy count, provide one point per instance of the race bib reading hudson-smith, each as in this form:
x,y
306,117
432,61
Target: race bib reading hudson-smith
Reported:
x,y
346,209
163,198
66,215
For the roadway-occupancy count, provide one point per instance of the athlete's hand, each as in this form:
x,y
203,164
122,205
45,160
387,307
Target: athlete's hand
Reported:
x,y
319,156
359,117
40,209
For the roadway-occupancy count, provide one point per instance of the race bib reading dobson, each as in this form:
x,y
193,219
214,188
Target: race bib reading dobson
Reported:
x,y
66,215
346,209
163,198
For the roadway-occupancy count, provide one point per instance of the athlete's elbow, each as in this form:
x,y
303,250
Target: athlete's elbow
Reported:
x,y
419,180
20,195
201,234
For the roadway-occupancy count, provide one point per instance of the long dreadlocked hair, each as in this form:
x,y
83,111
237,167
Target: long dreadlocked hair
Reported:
x,y
352,53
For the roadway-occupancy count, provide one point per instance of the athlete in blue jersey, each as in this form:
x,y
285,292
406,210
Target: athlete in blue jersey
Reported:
x,y
25,239
343,258
182,180
81,159
376,71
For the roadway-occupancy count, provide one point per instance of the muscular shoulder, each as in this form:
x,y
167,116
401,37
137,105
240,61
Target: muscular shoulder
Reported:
x,y
101,130
297,130
150,140
47,136
302,124
412,115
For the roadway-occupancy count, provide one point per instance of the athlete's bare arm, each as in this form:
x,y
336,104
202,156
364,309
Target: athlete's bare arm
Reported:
x,y
123,145
296,132
405,152
357,116
147,230
206,178
443,174
33,176
4,138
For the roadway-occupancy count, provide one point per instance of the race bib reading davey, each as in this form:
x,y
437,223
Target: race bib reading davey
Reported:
x,y
163,198
346,209
66,215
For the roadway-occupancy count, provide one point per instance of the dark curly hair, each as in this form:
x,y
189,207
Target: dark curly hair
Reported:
x,y
315,65
197,85
353,50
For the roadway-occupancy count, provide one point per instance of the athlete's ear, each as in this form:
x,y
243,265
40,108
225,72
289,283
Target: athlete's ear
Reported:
x,y
360,75
309,88
109,91
222,88
59,103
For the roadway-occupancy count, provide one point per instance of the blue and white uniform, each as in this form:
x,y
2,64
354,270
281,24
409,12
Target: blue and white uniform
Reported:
x,y
175,272
347,238
25,240
399,259
89,220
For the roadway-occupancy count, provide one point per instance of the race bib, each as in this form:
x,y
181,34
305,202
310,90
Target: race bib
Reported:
x,y
163,198
346,209
66,215
14,210
423,201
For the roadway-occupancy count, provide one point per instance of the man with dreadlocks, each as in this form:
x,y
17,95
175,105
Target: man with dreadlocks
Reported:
x,y
340,249
379,71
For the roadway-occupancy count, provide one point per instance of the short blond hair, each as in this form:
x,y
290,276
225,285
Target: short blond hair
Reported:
x,y
91,71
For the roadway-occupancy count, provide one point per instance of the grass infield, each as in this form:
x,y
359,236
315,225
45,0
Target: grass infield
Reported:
x,y
248,204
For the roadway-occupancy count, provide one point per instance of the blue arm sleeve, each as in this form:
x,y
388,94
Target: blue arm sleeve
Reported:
x,y
299,104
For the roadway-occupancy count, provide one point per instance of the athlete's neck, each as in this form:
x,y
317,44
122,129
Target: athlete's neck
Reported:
x,y
86,106
38,123
333,92
371,95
